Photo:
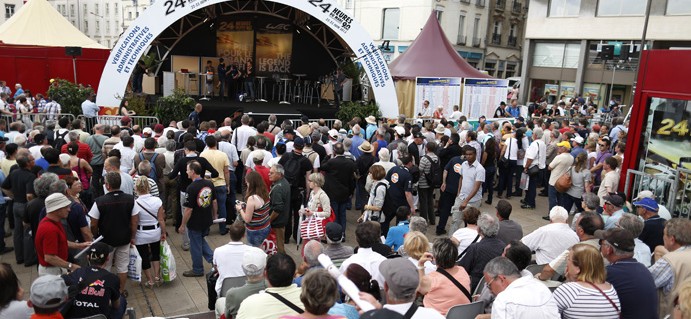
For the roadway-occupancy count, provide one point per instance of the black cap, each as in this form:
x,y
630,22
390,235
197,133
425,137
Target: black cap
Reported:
x,y
99,251
502,103
334,231
614,199
289,131
417,134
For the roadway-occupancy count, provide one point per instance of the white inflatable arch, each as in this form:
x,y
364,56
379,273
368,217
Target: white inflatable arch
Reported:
x,y
163,13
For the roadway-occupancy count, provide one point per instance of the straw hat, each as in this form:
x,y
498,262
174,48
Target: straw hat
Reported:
x,y
371,120
365,147
440,129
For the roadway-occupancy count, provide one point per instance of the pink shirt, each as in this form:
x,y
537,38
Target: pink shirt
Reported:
x,y
443,294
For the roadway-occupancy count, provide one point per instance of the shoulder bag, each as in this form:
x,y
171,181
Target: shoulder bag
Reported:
x,y
564,182
535,168
608,298
504,160
455,282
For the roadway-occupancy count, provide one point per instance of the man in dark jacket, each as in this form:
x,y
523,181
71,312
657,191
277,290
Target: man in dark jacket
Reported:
x,y
280,204
340,182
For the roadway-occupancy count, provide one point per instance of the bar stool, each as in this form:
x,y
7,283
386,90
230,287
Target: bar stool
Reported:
x,y
285,91
261,88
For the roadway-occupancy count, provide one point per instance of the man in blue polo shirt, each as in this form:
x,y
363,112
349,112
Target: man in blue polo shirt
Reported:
x,y
633,282
653,225
449,190
400,192
396,234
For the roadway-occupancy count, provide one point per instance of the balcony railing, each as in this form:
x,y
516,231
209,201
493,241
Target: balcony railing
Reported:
x,y
512,41
461,40
476,41
496,38
480,3
517,7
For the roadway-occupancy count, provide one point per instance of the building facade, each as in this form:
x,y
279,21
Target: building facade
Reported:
x,y
591,47
11,7
505,31
101,20
465,23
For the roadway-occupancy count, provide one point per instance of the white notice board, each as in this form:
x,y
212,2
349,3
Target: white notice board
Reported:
x,y
482,96
438,91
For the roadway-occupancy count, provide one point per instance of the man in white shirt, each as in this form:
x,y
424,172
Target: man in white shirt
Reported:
x,y
552,239
536,155
228,258
402,280
242,133
367,234
610,179
426,111
469,187
517,297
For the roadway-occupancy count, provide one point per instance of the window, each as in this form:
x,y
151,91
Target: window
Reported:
x,y
129,15
490,67
510,70
461,30
115,7
439,11
476,32
557,55
107,8
390,23
621,7
98,26
512,35
84,10
107,26
86,26
9,11
564,8
97,9
496,33
72,10
678,7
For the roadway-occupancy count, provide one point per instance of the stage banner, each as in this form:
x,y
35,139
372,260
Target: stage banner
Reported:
x,y
482,96
234,41
438,91
161,14
274,48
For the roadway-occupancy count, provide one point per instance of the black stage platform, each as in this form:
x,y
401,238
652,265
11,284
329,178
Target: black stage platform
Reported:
x,y
215,109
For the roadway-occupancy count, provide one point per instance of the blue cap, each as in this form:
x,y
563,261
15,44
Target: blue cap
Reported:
x,y
647,203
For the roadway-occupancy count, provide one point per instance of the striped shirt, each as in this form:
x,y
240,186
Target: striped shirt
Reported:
x,y
577,301
260,217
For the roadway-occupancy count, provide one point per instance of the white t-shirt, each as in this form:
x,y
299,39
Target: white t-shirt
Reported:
x,y
465,237
228,261
550,241
538,150
560,165
610,183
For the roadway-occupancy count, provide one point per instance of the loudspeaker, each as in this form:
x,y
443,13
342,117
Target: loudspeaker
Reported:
x,y
624,53
73,51
607,52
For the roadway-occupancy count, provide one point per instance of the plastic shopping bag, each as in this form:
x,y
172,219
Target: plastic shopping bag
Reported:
x,y
269,244
167,263
525,179
134,269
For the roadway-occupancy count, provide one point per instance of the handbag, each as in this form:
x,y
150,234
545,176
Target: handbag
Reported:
x,y
504,160
564,182
312,228
535,168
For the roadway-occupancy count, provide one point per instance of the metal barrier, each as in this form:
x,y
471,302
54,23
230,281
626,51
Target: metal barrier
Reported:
x,y
37,118
328,122
109,120
682,199
663,183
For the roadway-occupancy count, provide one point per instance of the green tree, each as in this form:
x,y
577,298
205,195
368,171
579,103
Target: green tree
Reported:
x,y
69,95
173,107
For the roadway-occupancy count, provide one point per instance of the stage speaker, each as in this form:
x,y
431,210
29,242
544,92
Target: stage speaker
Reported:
x,y
73,51
624,53
607,52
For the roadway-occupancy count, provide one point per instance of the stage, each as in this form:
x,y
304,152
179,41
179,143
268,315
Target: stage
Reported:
x,y
215,109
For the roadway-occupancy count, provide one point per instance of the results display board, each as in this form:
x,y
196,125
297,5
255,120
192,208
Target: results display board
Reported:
x,y
482,96
438,91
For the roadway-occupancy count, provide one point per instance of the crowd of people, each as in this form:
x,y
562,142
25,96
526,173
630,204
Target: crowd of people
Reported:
x,y
266,184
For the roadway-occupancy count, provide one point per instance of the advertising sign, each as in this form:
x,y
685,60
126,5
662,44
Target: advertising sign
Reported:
x,y
161,14
482,96
438,91
274,48
234,41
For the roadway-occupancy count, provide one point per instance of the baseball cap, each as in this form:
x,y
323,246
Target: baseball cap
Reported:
x,y
644,194
334,231
614,199
578,139
401,276
564,144
158,128
417,135
502,103
298,142
253,261
520,118
620,238
99,251
289,131
56,201
50,291
258,155
148,130
399,130
333,133
125,119
647,203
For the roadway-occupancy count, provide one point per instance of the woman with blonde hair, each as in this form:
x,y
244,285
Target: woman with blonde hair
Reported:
x,y
415,246
587,292
682,303
256,209
151,230
319,204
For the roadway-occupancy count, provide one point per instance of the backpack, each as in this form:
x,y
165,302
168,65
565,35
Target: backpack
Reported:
x,y
434,178
60,140
152,174
292,172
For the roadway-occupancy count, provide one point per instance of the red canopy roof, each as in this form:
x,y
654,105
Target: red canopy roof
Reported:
x,y
431,54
